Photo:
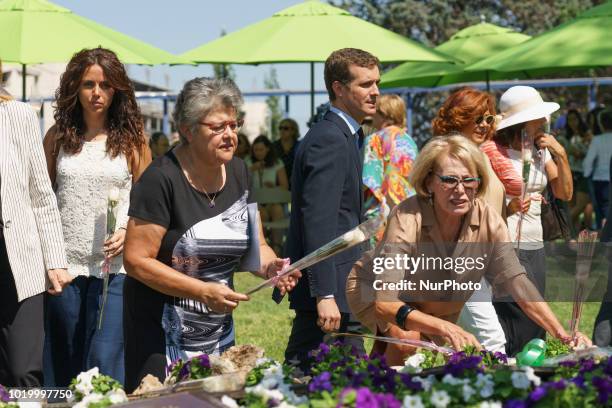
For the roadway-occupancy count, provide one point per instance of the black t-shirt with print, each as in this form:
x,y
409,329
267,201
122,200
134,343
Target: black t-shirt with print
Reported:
x,y
203,241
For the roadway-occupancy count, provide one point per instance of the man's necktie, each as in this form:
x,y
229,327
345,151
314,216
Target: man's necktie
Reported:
x,y
359,137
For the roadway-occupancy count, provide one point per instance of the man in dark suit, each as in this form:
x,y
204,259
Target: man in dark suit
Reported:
x,y
602,332
327,201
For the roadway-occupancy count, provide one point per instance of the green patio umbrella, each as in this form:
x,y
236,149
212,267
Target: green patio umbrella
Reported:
x,y
38,31
469,45
309,32
582,43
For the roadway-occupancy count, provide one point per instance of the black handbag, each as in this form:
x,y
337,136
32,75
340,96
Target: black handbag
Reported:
x,y
555,219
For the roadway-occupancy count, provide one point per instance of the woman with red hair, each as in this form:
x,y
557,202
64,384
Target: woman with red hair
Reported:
x,y
471,113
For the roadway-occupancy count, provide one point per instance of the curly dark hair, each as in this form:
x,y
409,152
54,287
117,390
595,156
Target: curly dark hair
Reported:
x,y
125,125
461,108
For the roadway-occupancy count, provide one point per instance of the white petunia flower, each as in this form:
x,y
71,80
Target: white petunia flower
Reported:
x,y
487,391
269,383
490,404
451,380
90,399
262,361
84,385
468,392
117,396
426,382
415,360
520,380
229,402
412,401
275,394
439,399
274,371
483,380
530,373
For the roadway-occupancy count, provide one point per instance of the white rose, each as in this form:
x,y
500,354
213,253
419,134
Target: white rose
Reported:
x,y
354,236
526,155
113,194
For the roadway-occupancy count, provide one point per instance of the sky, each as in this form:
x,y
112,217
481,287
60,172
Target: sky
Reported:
x,y
181,25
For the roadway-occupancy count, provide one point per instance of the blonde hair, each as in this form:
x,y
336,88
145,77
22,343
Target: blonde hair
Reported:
x,y
4,95
458,147
393,108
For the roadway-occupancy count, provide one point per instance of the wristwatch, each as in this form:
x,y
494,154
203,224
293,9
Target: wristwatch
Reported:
x,y
402,313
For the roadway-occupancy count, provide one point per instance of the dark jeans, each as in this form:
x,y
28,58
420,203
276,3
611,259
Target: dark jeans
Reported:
x,y
517,326
306,336
602,330
601,192
73,342
21,332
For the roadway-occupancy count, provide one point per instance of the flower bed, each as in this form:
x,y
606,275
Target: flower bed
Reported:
x,y
341,377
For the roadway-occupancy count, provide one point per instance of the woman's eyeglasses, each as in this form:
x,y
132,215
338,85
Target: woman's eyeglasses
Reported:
x,y
488,119
451,182
218,128
285,128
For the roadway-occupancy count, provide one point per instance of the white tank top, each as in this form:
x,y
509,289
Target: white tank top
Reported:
x,y
84,181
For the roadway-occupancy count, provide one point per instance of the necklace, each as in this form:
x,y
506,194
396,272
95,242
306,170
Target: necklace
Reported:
x,y
211,203
200,187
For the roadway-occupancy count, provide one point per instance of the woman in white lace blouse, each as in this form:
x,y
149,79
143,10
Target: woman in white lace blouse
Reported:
x,y
96,146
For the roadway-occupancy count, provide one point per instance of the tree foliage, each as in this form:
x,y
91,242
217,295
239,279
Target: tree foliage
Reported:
x,y
224,70
431,22
275,114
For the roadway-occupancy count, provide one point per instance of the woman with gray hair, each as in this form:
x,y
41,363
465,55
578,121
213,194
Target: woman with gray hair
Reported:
x,y
192,226
447,223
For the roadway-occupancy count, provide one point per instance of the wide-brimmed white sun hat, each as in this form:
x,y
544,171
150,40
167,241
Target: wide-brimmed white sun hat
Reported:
x,y
521,104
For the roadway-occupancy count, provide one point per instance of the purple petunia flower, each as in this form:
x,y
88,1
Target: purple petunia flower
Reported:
x,y
515,404
4,395
204,360
272,402
457,365
365,399
537,394
387,401
558,385
409,383
587,366
321,382
579,381
604,388
184,373
501,357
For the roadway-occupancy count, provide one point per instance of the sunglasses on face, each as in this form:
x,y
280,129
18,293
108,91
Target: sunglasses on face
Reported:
x,y
451,182
285,128
488,119
218,128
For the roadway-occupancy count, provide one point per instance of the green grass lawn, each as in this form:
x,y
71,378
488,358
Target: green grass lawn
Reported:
x,y
264,323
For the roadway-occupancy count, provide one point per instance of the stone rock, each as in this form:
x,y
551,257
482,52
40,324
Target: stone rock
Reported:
x,y
148,384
